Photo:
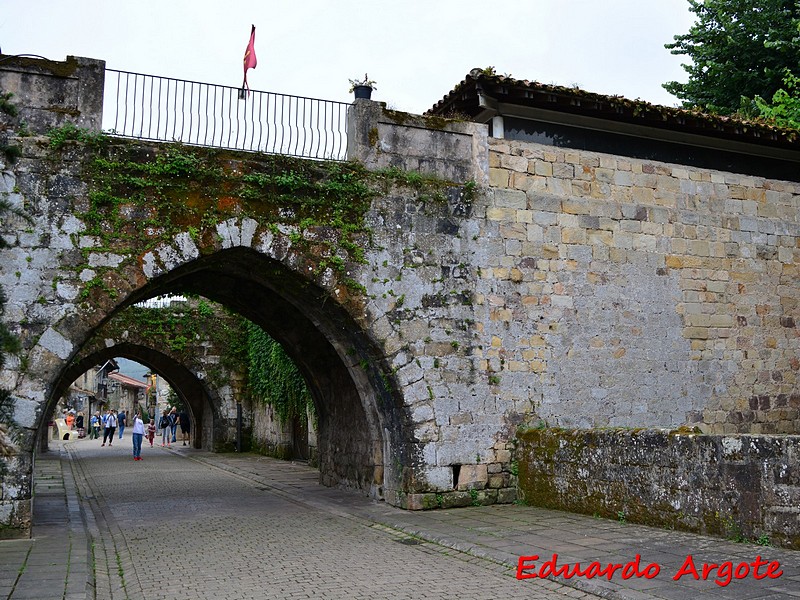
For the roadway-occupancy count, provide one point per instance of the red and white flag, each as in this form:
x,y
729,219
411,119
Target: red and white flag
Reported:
x,y
249,60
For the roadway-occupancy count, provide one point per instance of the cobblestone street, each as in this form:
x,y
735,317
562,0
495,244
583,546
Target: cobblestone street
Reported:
x,y
169,527
184,524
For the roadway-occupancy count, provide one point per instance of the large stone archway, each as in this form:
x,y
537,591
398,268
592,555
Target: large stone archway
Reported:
x,y
299,284
193,344
362,277
206,404
353,405
525,285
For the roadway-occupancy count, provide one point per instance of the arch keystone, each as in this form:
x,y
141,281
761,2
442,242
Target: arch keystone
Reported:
x,y
233,234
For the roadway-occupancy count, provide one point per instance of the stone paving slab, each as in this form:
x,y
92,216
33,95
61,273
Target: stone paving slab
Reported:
x,y
503,533
54,562
170,527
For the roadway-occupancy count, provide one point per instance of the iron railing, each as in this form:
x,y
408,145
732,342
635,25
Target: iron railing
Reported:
x,y
163,109
161,301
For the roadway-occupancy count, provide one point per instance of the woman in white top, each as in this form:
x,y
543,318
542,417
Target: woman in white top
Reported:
x,y
110,426
138,436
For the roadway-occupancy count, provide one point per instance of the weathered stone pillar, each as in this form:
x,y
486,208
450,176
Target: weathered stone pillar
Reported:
x,y
452,150
54,93
46,94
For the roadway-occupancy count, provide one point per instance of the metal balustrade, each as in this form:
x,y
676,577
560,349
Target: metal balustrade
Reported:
x,y
161,301
163,109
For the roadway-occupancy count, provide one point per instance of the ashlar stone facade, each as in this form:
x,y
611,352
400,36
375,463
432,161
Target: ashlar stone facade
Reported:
x,y
623,292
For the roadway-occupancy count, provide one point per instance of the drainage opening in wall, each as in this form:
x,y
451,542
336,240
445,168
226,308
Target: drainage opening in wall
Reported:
x,y
456,472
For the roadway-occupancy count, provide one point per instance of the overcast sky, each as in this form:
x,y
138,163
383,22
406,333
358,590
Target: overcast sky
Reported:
x,y
416,50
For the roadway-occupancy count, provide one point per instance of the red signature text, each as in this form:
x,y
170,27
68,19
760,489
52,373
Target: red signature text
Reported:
x,y
527,569
724,572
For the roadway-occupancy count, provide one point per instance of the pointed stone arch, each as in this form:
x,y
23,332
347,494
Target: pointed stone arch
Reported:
x,y
202,401
362,425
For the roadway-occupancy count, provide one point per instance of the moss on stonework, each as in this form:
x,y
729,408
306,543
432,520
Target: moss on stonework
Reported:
x,y
397,116
268,374
178,328
603,472
64,68
140,197
429,121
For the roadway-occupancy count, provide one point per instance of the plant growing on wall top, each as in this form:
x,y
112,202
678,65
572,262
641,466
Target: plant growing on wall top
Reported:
x,y
365,82
362,88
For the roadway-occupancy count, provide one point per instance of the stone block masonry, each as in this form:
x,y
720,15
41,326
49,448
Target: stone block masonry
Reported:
x,y
622,292
628,293
744,487
55,92
538,285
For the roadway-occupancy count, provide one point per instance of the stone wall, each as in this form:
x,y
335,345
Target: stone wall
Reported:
x,y
381,138
53,93
625,292
568,287
274,438
420,282
738,486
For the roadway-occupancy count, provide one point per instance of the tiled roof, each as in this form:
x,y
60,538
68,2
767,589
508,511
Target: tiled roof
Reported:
x,y
129,381
463,101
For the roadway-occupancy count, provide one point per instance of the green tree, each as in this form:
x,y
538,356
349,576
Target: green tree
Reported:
x,y
784,109
739,49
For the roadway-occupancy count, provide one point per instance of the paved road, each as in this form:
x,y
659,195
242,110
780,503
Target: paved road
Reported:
x,y
184,524
171,527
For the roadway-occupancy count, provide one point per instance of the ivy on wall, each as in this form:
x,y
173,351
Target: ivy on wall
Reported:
x,y
179,327
273,378
270,376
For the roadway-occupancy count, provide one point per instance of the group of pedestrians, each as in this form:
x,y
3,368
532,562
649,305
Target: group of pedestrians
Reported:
x,y
168,424
109,422
75,421
112,423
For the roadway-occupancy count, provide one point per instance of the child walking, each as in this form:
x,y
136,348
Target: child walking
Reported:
x,y
151,431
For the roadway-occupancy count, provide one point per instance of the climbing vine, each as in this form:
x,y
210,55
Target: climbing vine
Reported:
x,y
273,377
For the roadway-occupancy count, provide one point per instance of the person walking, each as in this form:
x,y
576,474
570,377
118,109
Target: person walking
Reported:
x,y
137,436
163,425
183,421
94,426
173,422
80,425
122,421
104,421
151,431
111,426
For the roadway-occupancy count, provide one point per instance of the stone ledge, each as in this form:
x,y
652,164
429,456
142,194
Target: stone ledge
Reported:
x,y
736,486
